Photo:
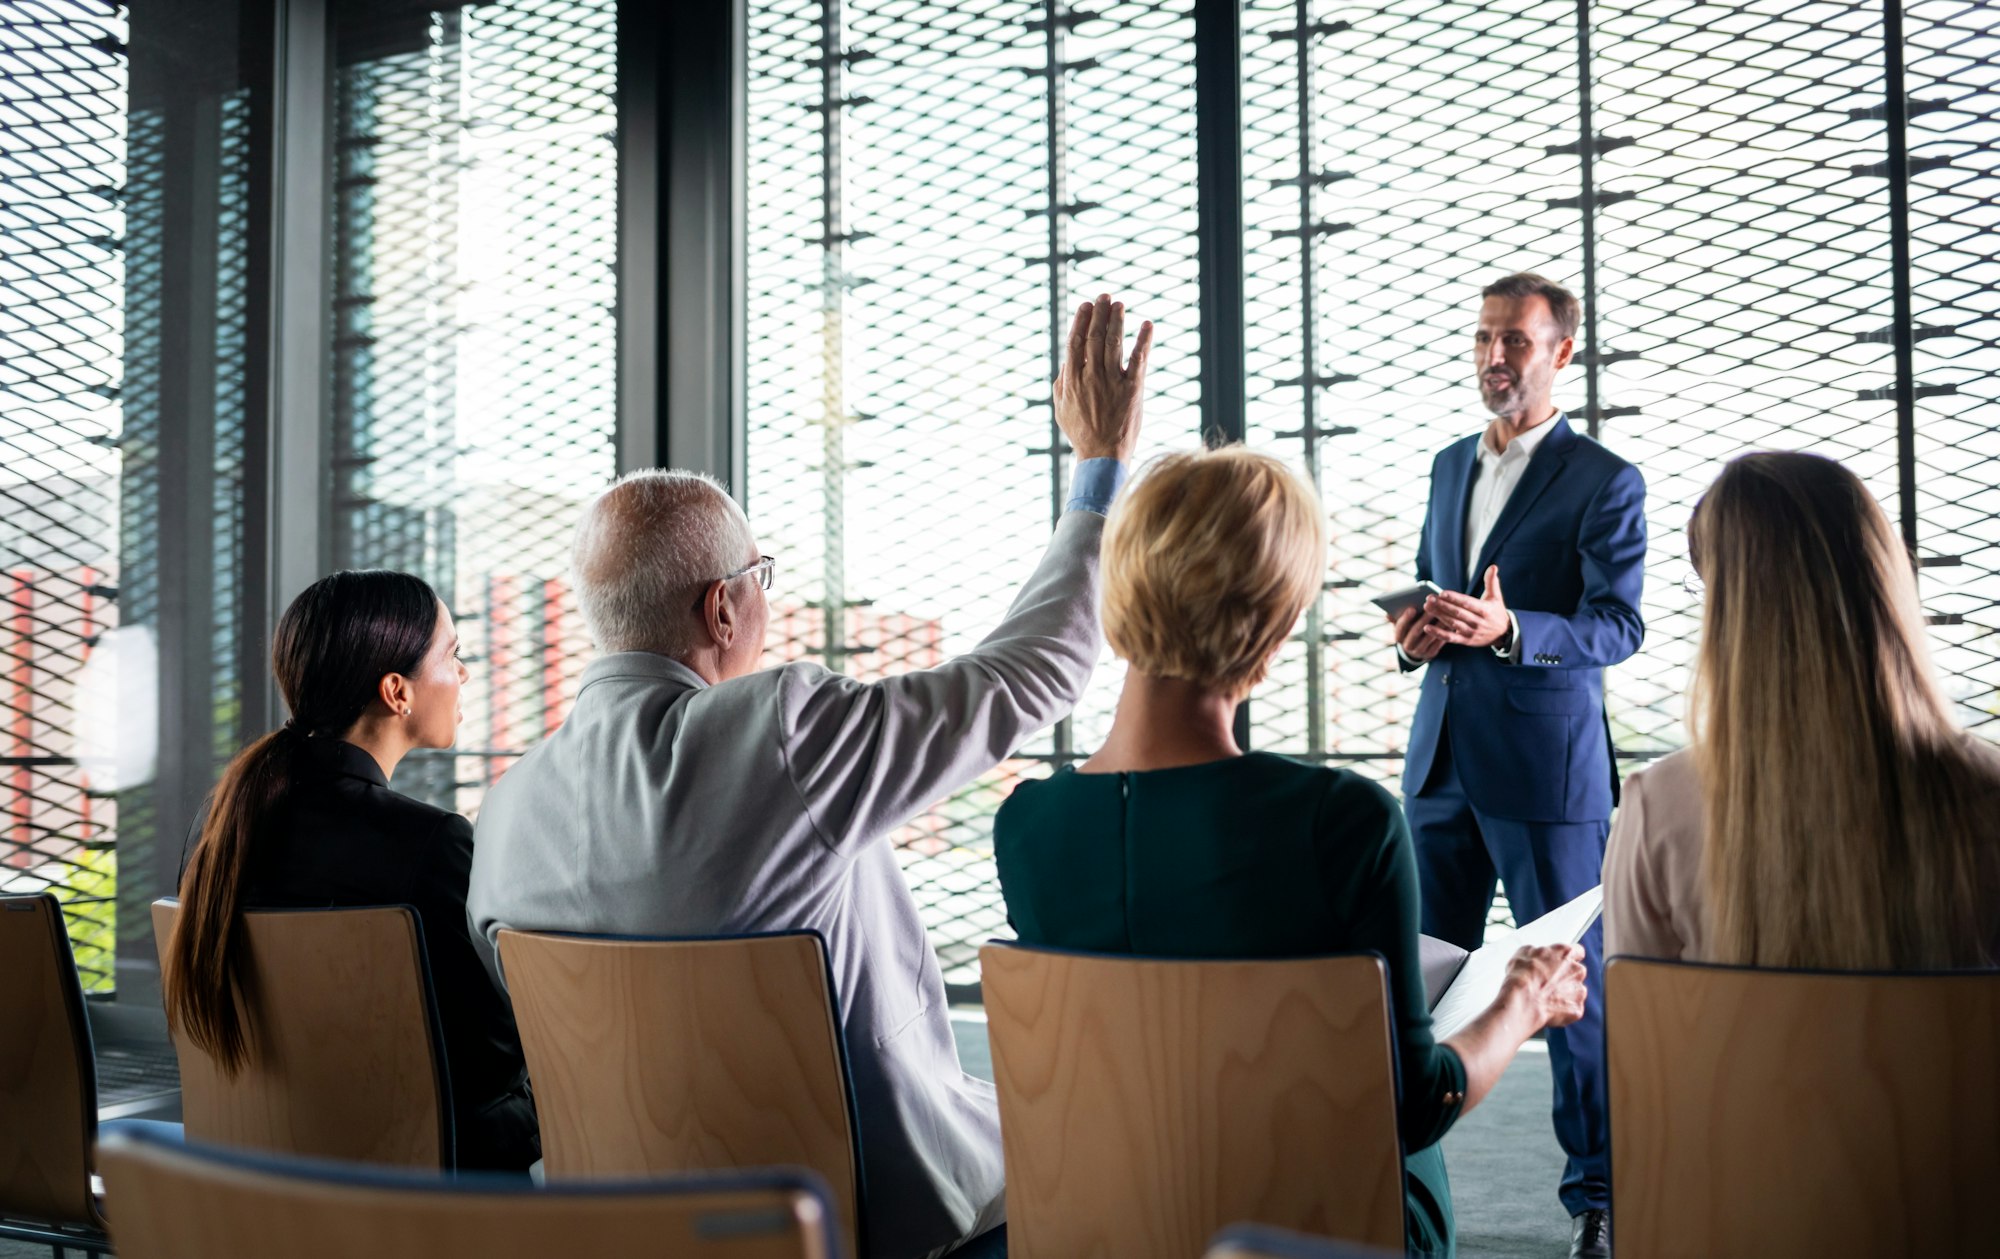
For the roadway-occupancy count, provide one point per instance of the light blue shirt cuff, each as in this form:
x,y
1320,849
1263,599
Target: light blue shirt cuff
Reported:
x,y
1094,484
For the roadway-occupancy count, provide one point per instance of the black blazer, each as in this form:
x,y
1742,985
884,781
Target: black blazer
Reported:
x,y
346,839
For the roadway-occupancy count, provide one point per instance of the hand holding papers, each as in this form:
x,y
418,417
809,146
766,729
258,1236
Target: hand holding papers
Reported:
x,y
1461,985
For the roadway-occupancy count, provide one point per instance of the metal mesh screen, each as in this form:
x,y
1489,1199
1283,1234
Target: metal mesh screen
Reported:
x,y
226,472
1394,162
1744,270
474,356
63,98
1715,178
1953,55
931,186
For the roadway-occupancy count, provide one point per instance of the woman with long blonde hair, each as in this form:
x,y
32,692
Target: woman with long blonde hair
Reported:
x,y
1828,812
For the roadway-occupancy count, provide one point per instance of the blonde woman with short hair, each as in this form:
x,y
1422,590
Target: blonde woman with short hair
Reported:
x,y
1172,841
1828,812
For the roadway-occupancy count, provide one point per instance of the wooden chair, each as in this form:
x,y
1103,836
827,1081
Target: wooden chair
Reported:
x,y
1803,1113
1144,1104
1254,1241
345,1052
189,1202
658,1056
48,1083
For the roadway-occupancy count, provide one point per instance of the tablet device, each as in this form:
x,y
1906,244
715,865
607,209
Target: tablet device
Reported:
x,y
1396,602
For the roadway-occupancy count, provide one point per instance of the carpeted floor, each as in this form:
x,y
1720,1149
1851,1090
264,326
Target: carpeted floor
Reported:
x,y
1504,1164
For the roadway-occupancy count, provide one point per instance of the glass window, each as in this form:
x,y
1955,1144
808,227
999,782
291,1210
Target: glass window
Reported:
x,y
474,356
931,186
124,312
914,168
66,92
1954,133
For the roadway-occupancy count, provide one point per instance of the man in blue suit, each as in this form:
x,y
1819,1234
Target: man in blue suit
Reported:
x,y
1538,536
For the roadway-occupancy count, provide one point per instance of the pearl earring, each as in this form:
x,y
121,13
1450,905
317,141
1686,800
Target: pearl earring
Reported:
x,y
406,710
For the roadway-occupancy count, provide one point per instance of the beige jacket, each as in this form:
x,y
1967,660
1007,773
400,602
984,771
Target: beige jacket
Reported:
x,y
1652,864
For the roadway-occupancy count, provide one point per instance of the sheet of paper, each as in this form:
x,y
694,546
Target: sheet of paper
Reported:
x,y
1485,970
1564,924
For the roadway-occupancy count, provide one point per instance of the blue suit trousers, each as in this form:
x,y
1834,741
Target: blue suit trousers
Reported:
x,y
1460,853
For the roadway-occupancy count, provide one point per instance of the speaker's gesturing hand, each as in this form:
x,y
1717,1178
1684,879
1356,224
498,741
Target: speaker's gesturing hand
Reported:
x,y
1469,622
1098,397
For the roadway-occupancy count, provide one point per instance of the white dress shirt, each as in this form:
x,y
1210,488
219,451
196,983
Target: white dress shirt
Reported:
x,y
1494,477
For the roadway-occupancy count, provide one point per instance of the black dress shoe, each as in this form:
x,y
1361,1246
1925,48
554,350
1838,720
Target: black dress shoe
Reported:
x,y
1590,1235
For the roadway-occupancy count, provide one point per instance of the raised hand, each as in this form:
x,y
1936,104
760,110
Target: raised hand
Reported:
x,y
1098,397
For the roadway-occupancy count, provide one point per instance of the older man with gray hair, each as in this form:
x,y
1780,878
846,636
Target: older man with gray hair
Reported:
x,y
690,793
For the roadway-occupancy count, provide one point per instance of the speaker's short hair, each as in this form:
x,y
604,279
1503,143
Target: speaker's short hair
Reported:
x,y
1209,558
1563,305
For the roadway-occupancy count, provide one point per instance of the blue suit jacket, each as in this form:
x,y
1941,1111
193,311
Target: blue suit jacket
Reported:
x,y
1530,740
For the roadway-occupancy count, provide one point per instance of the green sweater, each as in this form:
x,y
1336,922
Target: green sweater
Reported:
x,y
1254,856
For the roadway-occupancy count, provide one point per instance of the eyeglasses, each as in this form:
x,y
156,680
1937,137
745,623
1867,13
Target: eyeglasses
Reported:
x,y
1693,584
766,569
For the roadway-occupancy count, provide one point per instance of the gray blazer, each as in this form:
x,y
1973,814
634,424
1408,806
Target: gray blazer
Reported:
x,y
664,806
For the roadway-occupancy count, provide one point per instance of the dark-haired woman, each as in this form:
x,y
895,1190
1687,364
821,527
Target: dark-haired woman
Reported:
x,y
304,818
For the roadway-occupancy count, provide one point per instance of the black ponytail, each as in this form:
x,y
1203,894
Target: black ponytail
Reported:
x,y
333,646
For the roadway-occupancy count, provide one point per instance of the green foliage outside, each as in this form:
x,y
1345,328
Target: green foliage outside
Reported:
x,y
90,908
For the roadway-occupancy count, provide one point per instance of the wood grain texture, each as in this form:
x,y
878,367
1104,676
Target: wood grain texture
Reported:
x,y
1146,1104
652,1057
171,1205
47,1104
1776,1114
341,1059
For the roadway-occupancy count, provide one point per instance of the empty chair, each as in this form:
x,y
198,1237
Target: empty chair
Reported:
x,y
662,1056
344,1059
1146,1104
1803,1113
1255,1241
193,1202
48,1083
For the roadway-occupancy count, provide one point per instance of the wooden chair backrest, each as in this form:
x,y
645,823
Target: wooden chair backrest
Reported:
x,y
48,1076
1788,1113
191,1204
653,1057
1256,1241
1144,1104
345,1060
